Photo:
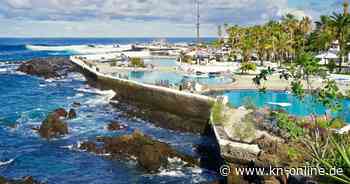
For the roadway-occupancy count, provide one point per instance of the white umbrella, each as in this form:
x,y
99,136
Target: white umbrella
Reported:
x,y
327,55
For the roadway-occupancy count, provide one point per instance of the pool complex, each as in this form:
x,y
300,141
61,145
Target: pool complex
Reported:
x,y
174,78
289,102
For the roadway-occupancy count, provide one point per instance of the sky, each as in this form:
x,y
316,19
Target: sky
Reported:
x,y
144,18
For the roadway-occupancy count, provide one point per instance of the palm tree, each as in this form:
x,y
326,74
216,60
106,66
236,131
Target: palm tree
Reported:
x,y
341,25
305,27
290,25
323,36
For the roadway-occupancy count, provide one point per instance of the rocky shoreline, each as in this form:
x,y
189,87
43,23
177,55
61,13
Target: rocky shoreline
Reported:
x,y
24,180
150,154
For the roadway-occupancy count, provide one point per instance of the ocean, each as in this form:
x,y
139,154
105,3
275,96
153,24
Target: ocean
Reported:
x,y
27,100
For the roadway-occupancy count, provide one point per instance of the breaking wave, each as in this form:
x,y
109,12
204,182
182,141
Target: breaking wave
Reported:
x,y
6,162
80,49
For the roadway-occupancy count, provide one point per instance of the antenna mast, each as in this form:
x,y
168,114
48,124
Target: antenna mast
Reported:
x,y
198,23
346,7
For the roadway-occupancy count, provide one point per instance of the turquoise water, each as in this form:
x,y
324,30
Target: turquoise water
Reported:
x,y
297,107
151,77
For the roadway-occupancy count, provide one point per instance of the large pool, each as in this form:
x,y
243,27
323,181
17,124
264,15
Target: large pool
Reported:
x,y
168,74
290,103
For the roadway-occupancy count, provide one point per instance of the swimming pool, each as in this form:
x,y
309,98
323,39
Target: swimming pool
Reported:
x,y
290,103
173,77
151,77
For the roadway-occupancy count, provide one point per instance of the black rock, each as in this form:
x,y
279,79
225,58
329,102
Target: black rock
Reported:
x,y
53,67
53,125
72,114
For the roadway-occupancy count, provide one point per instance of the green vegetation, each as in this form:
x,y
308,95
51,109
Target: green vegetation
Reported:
x,y
293,153
245,130
291,125
113,62
137,62
331,66
293,44
185,58
276,41
248,66
218,116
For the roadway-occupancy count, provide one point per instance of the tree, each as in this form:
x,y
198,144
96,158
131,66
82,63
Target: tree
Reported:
x,y
323,36
341,24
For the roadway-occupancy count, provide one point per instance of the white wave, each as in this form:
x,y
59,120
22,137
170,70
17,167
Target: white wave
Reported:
x,y
109,94
175,160
80,49
6,162
49,80
171,173
55,48
76,76
8,67
70,147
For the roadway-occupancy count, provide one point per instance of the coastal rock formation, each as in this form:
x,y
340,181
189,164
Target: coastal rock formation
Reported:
x,y
53,67
24,180
114,126
53,125
72,114
60,113
150,154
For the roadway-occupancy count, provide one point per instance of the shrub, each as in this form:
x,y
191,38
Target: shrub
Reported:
x,y
218,116
137,62
246,130
334,152
247,66
291,125
332,65
293,153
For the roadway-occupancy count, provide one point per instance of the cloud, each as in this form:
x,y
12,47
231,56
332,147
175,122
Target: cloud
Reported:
x,y
82,17
173,10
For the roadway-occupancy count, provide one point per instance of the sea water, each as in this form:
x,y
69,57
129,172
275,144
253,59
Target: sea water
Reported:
x,y
27,100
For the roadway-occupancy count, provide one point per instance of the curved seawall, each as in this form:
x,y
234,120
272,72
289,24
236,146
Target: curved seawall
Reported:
x,y
166,107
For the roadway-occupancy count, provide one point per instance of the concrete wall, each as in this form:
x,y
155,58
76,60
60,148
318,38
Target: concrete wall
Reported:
x,y
185,109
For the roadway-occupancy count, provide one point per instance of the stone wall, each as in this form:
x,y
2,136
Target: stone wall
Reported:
x,y
172,108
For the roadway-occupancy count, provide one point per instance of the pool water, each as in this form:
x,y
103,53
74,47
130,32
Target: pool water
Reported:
x,y
163,62
174,78
295,106
151,77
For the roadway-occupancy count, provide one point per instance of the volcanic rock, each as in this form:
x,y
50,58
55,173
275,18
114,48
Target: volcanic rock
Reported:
x,y
52,67
24,180
72,114
53,125
151,154
60,113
